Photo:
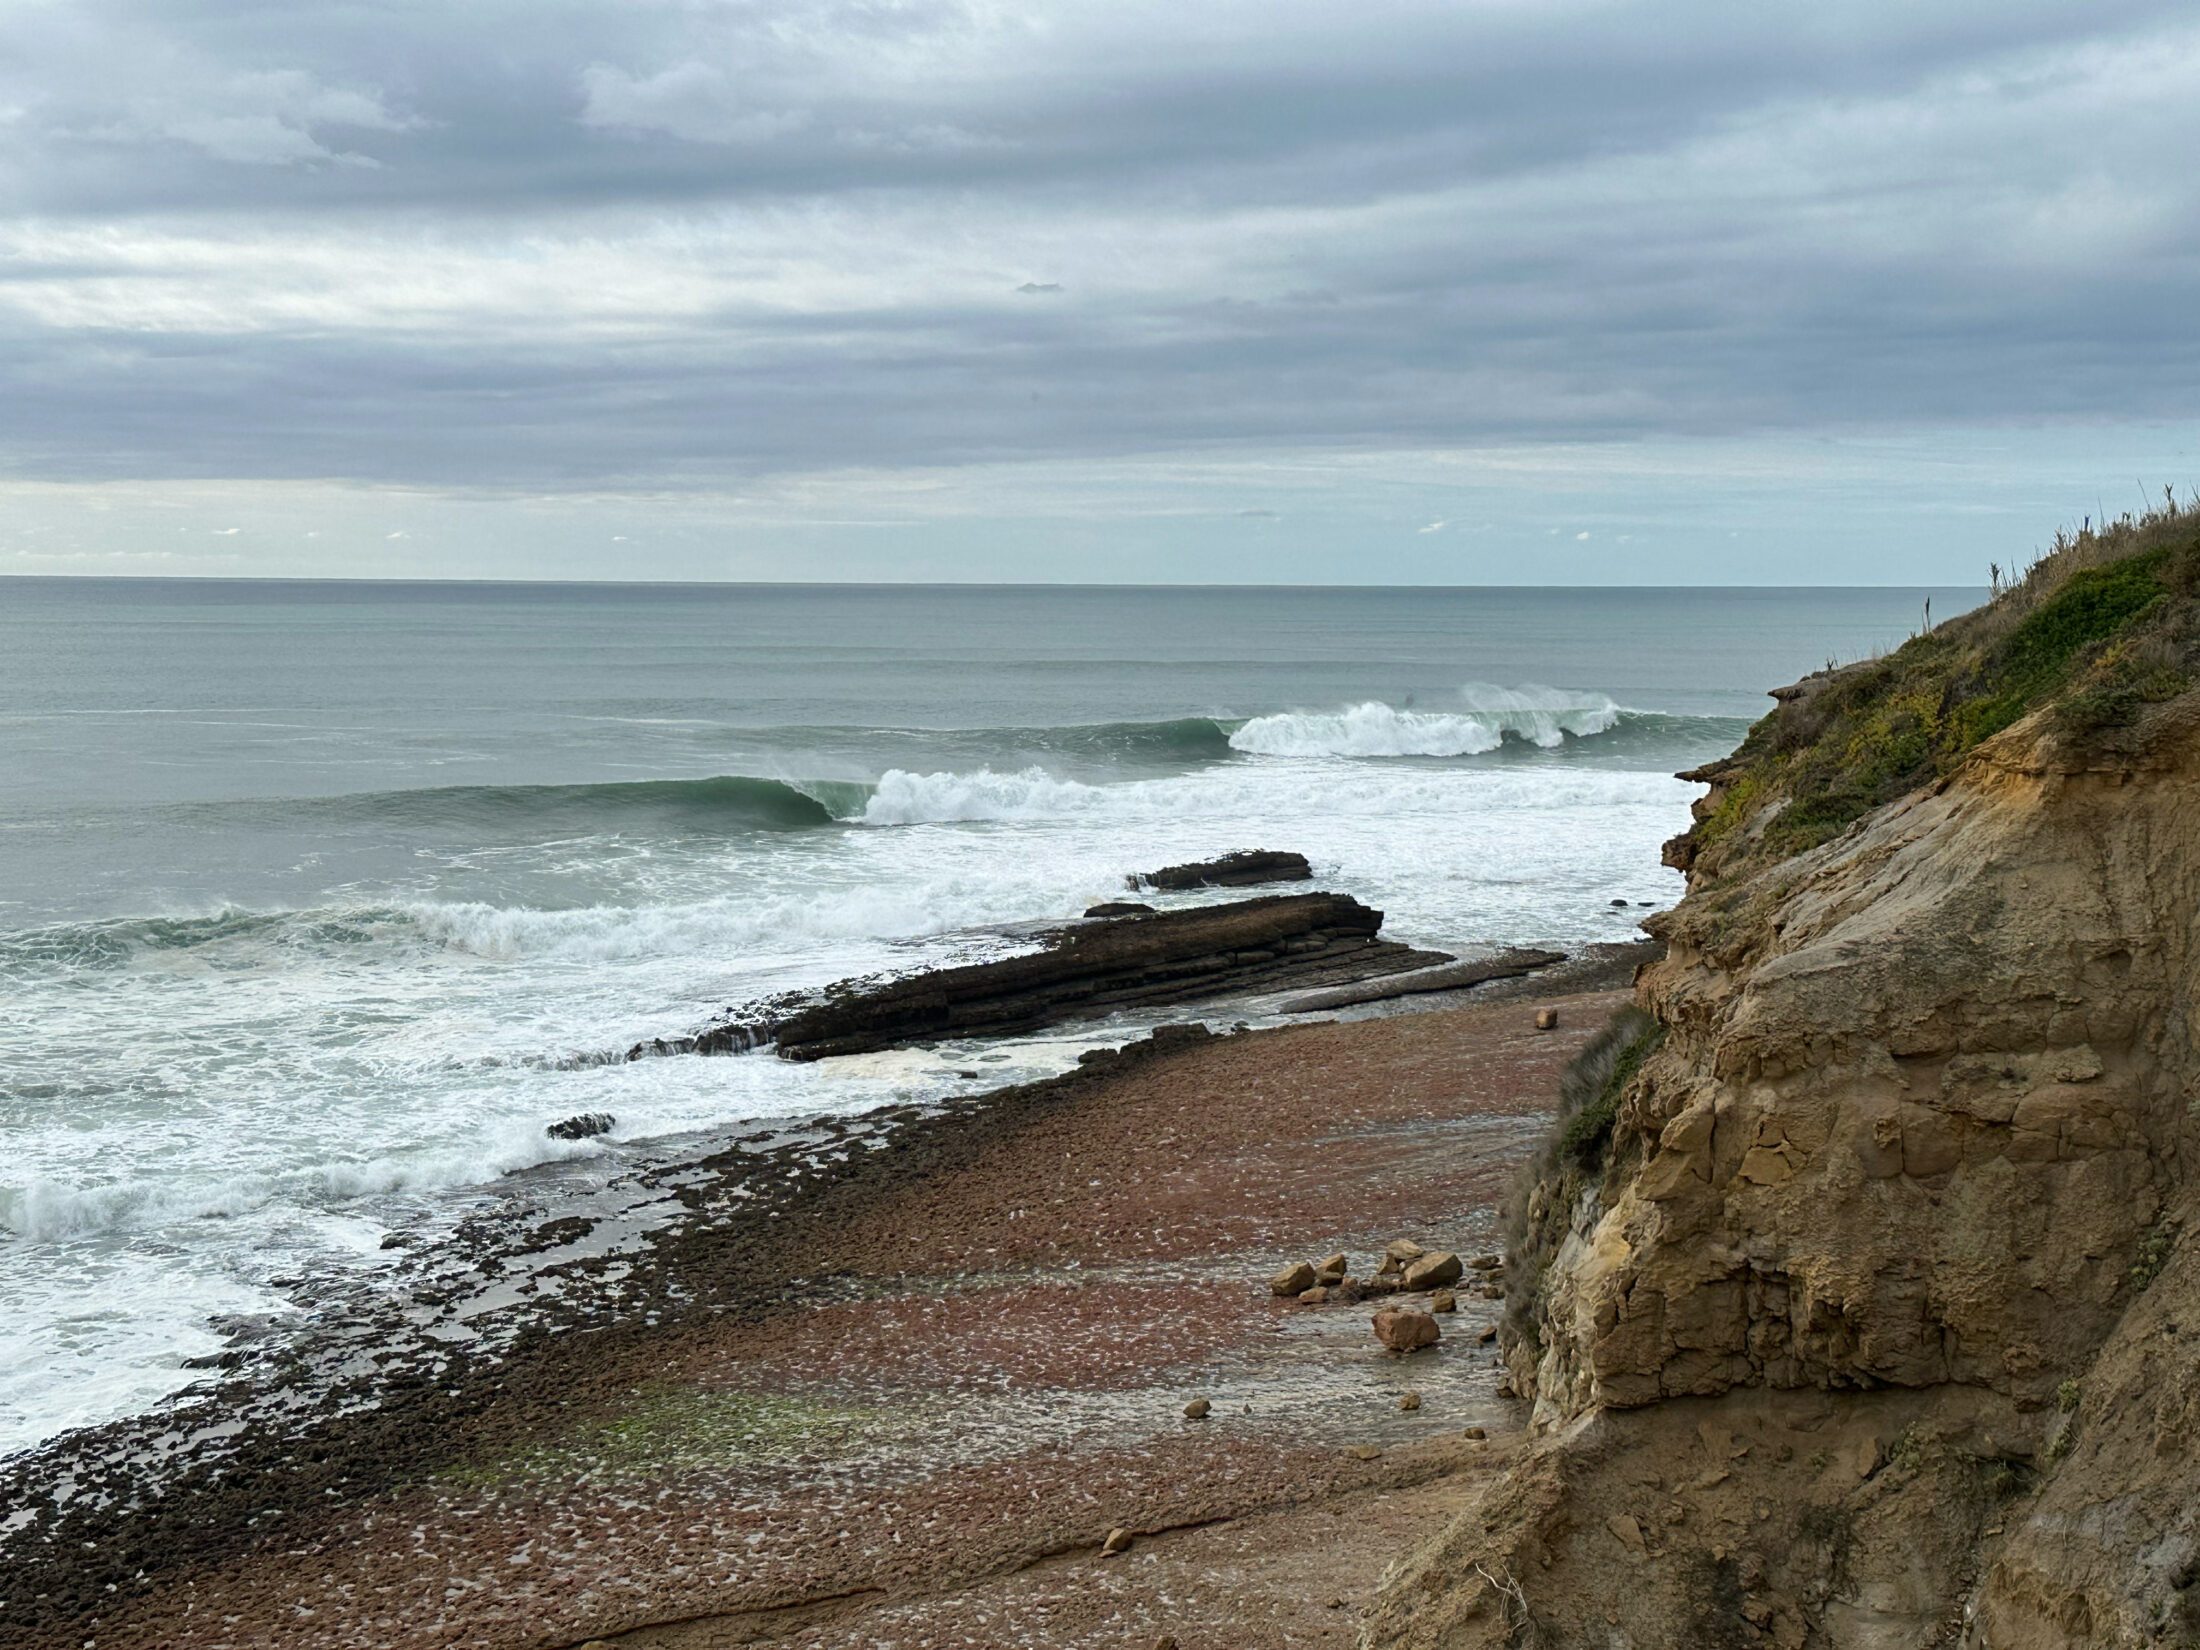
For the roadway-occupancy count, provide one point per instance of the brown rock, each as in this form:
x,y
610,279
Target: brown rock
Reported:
x,y
1294,1279
1487,1263
1433,1271
1366,1452
1546,1019
1488,1335
1476,1433
1118,1541
1314,1296
1403,1330
1411,1401
1403,1250
1331,1270
1349,1290
1443,1301
1197,1410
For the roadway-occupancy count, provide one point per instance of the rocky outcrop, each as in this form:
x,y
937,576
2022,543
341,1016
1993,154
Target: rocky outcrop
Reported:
x,y
1874,1325
1459,976
1276,943
1244,869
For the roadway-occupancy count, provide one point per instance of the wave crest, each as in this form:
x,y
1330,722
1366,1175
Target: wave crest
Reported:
x,y
1539,716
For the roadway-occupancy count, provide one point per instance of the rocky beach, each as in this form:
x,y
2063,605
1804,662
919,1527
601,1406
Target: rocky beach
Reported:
x,y
1024,1370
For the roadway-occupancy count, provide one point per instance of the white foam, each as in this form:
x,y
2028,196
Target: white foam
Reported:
x,y
1542,716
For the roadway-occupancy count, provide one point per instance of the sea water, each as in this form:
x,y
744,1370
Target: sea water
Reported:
x,y
318,901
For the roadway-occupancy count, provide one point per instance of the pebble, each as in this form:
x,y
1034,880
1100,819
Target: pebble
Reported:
x,y
1411,1400
1118,1541
1197,1409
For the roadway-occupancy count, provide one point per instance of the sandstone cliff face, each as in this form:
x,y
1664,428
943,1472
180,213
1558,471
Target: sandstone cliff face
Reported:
x,y
1878,1328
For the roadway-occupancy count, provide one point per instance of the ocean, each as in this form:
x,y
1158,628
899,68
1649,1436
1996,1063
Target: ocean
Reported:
x,y
318,901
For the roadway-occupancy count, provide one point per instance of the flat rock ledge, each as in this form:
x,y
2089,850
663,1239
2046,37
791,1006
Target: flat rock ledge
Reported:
x,y
1451,976
1279,942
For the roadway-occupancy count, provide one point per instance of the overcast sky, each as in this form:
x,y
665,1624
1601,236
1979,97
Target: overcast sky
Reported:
x,y
1479,291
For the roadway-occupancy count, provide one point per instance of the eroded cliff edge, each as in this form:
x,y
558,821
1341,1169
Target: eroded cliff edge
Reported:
x,y
1864,1315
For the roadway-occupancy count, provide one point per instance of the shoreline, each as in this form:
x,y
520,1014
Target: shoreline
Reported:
x,y
837,1225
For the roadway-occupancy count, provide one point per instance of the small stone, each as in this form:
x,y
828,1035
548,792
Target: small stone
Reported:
x,y
1349,1290
1627,1532
1336,1601
1167,1641
1487,1263
1488,1335
1314,1296
1476,1433
1294,1279
1443,1301
1403,1330
1331,1270
1433,1271
1118,1541
1197,1410
1403,1250
1366,1452
1411,1401
1546,1019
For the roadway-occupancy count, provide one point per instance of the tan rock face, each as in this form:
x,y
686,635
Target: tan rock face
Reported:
x,y
1878,1329
1920,1101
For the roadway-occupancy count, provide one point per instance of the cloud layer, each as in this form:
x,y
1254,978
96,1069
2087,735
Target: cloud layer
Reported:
x,y
672,246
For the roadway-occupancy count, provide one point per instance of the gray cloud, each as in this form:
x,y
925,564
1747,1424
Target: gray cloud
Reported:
x,y
674,246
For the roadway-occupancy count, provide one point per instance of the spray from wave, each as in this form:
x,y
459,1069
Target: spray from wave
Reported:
x,y
1539,716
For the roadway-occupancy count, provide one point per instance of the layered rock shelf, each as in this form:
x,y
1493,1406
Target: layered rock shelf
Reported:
x,y
1279,942
1247,868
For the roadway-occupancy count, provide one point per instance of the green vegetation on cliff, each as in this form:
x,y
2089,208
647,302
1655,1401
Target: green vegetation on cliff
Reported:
x,y
2101,626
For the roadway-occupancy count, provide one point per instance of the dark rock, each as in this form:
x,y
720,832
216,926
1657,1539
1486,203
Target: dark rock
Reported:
x,y
583,1127
1275,942
1619,904
1119,908
1239,870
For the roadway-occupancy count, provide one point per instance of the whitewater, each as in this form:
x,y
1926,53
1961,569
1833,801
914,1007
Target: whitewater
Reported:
x,y
318,906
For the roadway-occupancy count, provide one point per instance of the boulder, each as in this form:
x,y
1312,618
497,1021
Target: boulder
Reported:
x,y
1294,1279
1401,1329
1197,1410
1239,870
1331,1270
1314,1296
1433,1271
583,1127
1546,1019
1443,1301
1403,1249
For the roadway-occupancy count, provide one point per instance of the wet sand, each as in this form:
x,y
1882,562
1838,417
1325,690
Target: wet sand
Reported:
x,y
899,1396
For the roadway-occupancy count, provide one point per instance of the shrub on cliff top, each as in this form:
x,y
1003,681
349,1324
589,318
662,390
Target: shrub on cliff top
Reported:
x,y
2101,626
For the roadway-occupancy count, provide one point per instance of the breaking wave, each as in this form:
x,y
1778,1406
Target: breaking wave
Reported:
x,y
1538,716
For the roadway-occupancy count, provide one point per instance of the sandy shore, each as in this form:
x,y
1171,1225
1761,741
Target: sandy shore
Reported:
x,y
898,1396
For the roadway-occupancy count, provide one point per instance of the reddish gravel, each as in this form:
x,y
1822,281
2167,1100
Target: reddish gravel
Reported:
x,y
986,1371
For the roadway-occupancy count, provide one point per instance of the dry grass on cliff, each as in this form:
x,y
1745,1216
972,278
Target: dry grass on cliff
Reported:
x,y
2106,622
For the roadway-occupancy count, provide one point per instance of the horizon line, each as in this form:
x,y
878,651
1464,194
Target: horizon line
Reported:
x,y
892,584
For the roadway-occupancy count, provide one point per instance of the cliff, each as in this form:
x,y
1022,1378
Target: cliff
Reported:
x,y
1852,1300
